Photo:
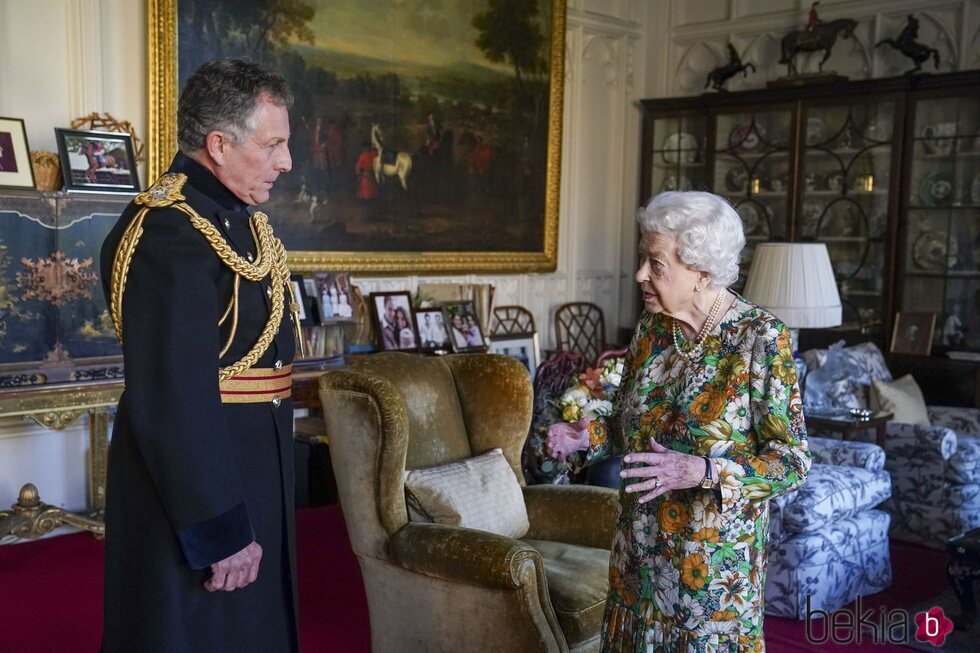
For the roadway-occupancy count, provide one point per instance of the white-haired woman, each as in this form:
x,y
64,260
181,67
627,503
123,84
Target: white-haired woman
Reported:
x,y
709,419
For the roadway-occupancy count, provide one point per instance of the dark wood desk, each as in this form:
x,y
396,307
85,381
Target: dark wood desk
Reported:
x,y
848,427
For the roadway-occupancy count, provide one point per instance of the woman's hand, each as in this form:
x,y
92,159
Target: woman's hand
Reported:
x,y
564,439
663,470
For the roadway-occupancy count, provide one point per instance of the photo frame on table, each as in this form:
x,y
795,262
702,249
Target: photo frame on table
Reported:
x,y
307,316
464,327
477,164
334,294
913,333
97,162
523,346
393,321
16,170
431,327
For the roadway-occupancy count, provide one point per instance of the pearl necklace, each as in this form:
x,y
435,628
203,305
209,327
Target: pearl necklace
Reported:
x,y
698,346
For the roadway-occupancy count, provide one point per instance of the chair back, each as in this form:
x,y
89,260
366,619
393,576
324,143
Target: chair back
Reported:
x,y
580,327
394,412
511,320
610,353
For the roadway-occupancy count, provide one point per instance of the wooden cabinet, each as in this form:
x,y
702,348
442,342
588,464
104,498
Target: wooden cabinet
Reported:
x,y
885,172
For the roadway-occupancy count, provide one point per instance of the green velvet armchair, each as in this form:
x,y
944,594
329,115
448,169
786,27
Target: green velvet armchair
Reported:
x,y
432,587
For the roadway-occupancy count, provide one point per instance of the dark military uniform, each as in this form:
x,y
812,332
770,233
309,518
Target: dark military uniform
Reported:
x,y
195,472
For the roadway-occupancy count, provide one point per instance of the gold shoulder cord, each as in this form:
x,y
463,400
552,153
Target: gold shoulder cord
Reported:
x,y
271,262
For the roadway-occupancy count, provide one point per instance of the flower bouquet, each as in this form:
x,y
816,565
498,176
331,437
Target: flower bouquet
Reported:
x,y
592,395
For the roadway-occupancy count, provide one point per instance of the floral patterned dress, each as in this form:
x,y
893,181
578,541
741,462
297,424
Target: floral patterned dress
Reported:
x,y
688,569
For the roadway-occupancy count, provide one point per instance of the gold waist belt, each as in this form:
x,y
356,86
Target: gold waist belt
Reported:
x,y
258,385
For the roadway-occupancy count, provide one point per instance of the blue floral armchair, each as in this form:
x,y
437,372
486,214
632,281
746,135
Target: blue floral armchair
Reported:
x,y
827,541
935,469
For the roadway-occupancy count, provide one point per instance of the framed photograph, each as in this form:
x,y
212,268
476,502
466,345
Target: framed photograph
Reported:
x,y
456,131
464,326
433,336
334,296
15,156
523,347
307,317
913,333
99,162
393,321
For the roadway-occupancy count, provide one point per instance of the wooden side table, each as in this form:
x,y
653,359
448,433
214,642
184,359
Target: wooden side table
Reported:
x,y
963,569
848,426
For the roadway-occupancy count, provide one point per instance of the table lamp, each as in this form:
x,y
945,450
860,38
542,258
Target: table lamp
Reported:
x,y
795,282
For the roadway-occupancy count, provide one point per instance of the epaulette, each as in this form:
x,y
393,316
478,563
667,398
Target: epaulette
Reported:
x,y
165,191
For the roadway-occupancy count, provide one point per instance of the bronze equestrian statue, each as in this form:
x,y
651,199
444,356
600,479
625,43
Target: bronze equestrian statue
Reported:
x,y
906,44
724,72
818,35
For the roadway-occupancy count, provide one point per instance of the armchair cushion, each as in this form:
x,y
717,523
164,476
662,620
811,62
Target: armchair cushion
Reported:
x,y
828,451
853,392
901,397
964,465
480,493
832,493
578,581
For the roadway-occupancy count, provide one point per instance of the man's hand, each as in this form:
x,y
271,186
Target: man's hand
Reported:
x,y
236,571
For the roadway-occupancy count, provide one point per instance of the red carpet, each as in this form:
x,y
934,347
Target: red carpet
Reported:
x,y
51,593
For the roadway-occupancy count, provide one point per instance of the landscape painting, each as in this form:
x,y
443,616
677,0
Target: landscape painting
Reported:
x,y
425,133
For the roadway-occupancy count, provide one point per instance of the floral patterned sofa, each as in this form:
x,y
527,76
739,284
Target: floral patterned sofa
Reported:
x,y
935,469
827,541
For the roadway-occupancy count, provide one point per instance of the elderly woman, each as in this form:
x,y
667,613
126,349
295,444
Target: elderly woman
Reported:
x,y
709,419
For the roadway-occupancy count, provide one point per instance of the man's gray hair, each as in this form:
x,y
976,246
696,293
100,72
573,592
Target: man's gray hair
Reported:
x,y
221,95
706,228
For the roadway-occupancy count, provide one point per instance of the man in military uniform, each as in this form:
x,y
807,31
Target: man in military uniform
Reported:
x,y
199,515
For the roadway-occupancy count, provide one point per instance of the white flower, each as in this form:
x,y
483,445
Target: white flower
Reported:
x,y
666,598
663,574
643,524
732,587
737,413
704,513
691,611
594,408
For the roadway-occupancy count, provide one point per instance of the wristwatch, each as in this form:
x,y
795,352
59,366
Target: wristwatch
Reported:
x,y
707,482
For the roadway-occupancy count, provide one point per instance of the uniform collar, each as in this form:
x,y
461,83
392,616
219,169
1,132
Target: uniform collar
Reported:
x,y
202,179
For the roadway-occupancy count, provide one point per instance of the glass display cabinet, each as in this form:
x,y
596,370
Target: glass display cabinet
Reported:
x,y
885,172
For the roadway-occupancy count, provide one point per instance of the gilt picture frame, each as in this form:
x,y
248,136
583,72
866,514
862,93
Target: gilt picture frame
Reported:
x,y
483,192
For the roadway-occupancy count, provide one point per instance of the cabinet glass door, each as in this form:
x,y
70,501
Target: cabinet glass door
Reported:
x,y
845,181
941,249
752,170
678,154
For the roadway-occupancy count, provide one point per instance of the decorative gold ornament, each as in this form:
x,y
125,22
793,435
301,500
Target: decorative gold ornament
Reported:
x,y
30,518
57,279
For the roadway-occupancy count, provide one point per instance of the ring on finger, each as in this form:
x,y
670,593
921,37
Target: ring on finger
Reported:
x,y
656,482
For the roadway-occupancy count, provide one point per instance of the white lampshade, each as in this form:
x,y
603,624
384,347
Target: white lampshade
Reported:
x,y
795,282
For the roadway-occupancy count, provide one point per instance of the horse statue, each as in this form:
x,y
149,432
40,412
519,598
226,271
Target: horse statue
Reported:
x,y
907,45
821,37
389,163
724,72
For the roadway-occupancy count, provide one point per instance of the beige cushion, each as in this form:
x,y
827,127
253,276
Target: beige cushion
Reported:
x,y
901,397
480,493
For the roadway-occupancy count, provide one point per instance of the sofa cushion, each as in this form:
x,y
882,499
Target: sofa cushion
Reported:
x,y
853,393
901,397
578,581
480,493
832,493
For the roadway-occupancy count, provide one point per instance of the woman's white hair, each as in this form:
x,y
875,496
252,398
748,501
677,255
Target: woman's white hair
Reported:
x,y
706,228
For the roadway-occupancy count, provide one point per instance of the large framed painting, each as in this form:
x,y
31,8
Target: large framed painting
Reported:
x,y
426,137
